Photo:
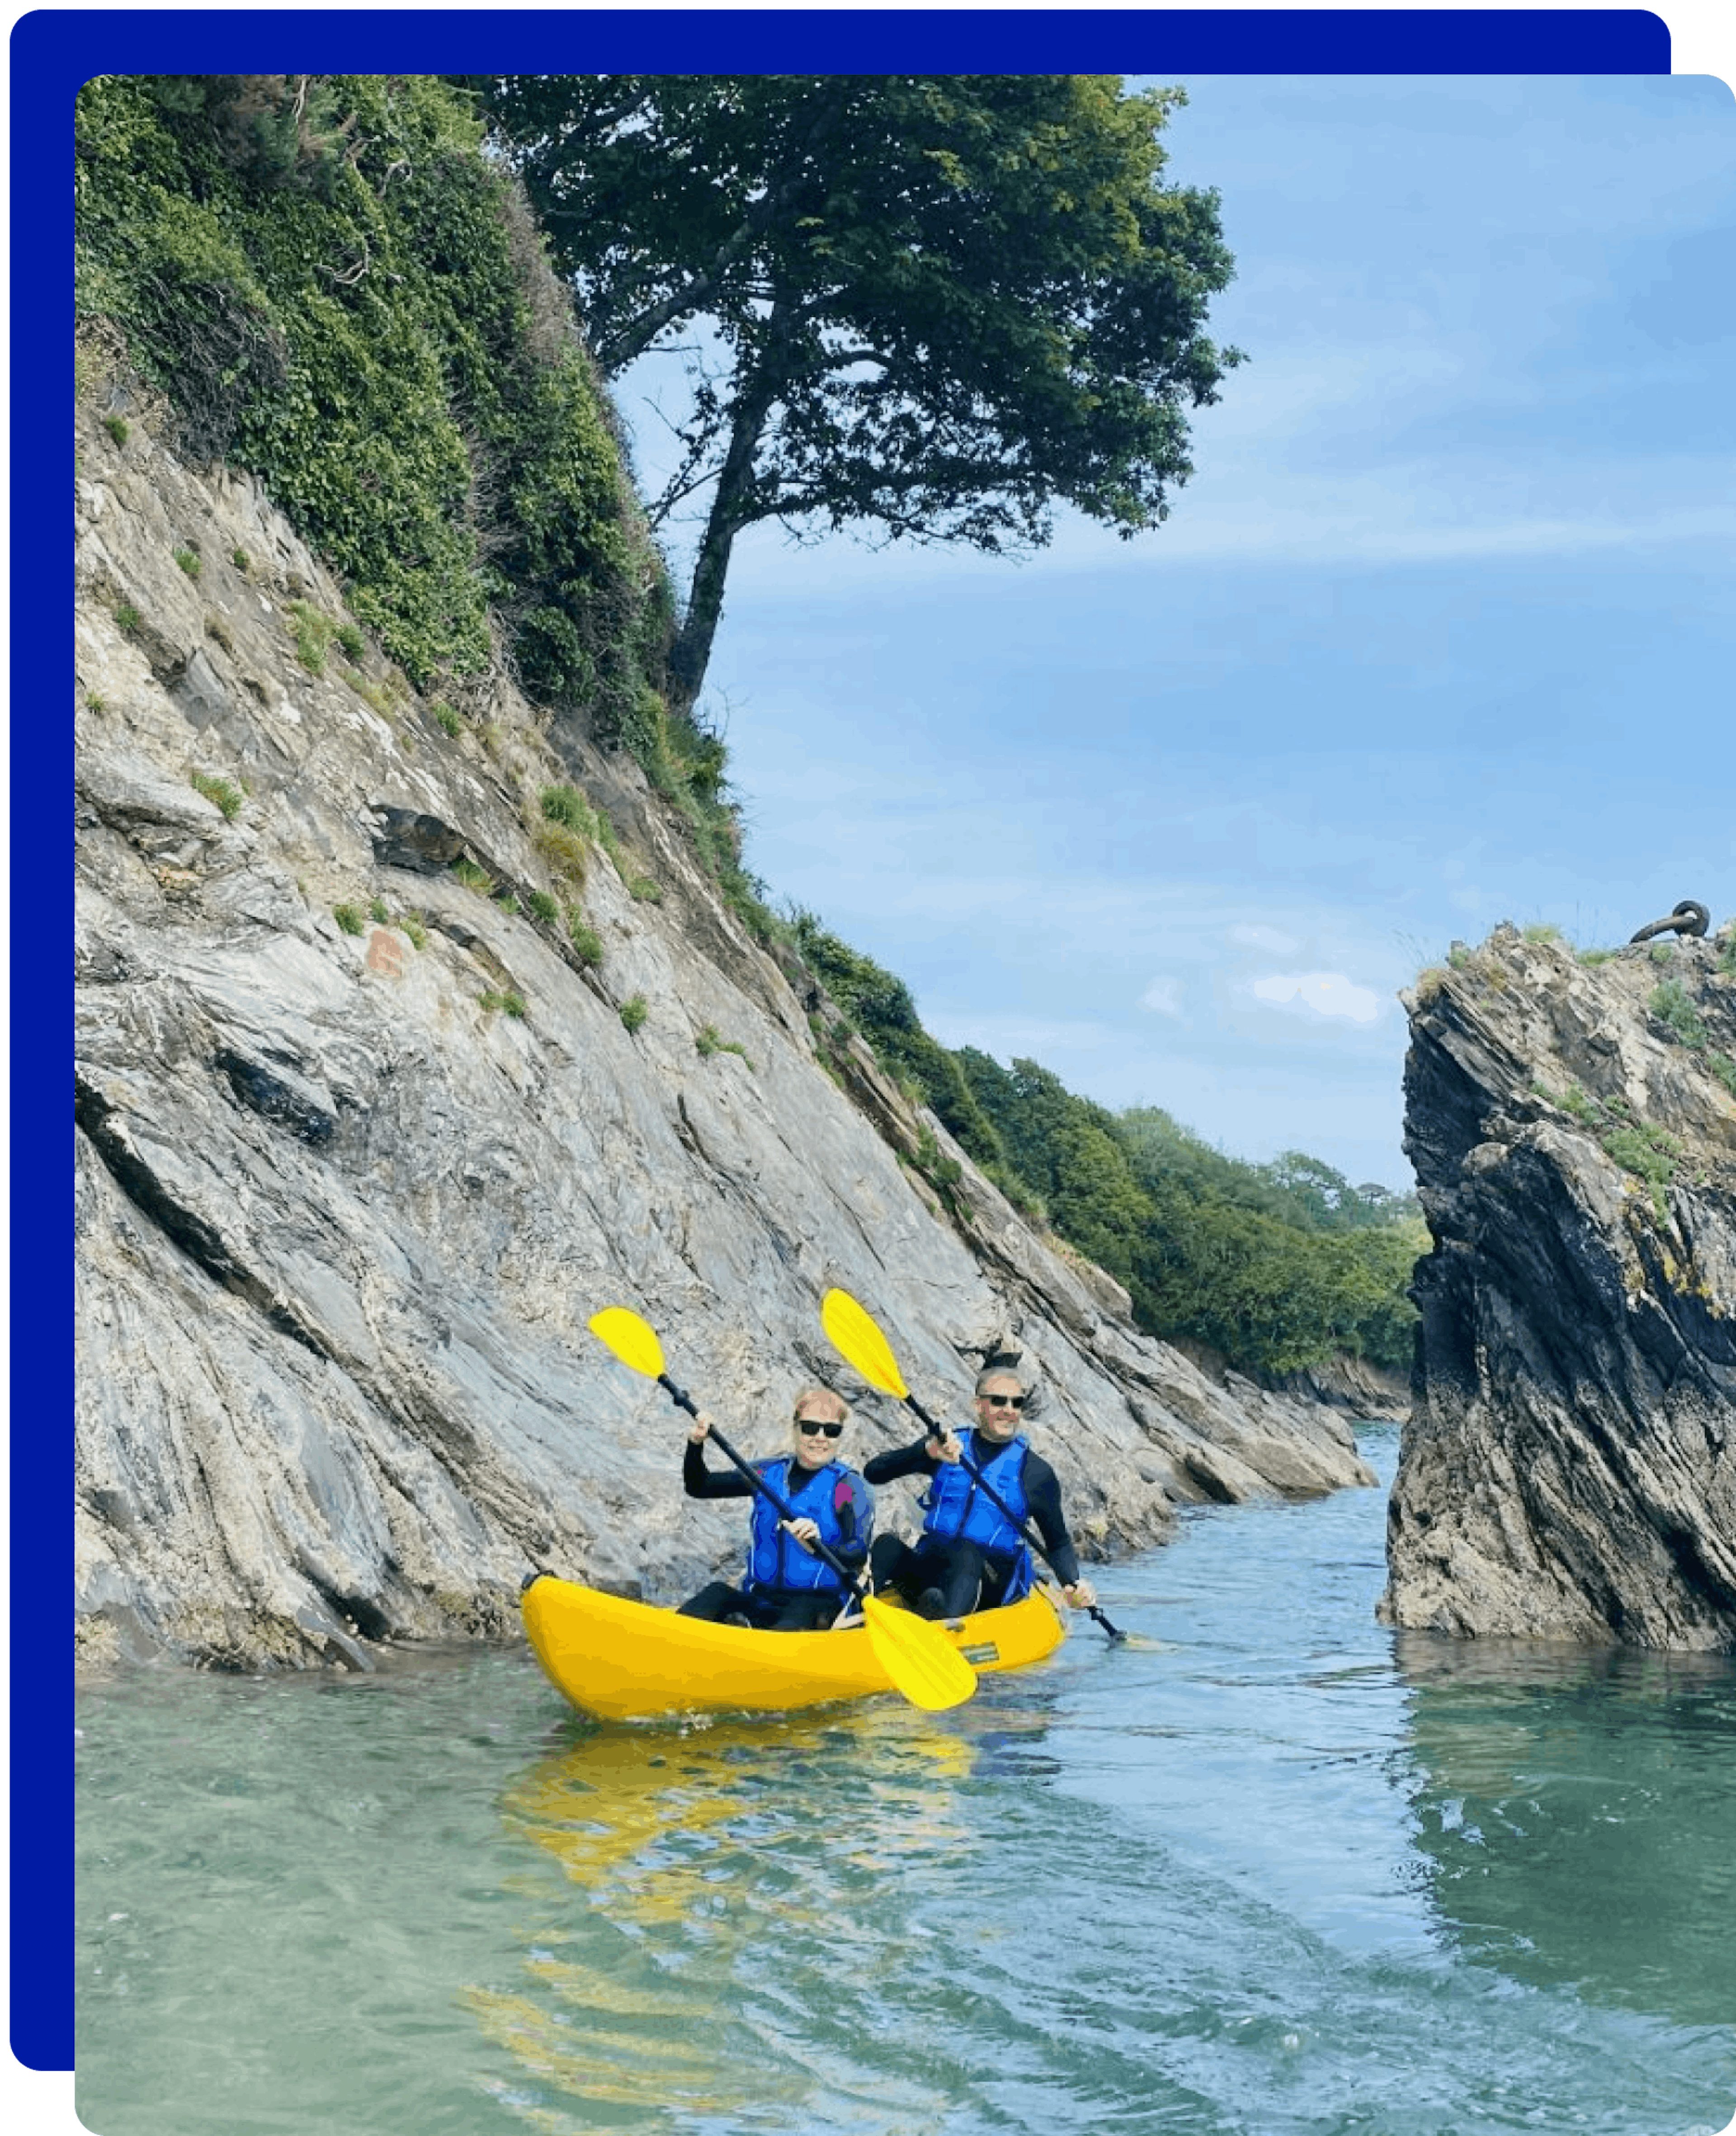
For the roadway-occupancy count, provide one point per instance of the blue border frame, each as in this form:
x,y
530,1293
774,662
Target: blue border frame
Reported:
x,y
51,55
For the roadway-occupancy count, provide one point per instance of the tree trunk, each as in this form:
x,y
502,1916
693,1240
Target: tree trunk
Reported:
x,y
690,654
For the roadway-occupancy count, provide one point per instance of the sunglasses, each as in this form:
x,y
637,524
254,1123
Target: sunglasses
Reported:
x,y
1002,1401
811,1427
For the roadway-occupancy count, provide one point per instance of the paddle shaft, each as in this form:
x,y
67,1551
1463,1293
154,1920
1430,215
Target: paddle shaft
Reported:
x,y
682,1399
938,1432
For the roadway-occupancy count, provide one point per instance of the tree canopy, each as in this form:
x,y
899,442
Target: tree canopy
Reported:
x,y
941,304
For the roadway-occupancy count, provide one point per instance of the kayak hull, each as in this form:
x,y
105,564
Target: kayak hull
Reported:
x,y
626,1661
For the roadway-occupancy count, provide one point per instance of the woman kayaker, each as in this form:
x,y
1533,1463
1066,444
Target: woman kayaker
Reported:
x,y
789,1587
969,1555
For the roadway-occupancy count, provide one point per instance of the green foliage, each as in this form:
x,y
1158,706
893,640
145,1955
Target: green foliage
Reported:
x,y
510,1004
227,797
745,896
1545,931
349,918
339,292
609,840
565,850
313,633
351,639
93,702
541,906
507,901
1458,956
1649,1153
238,557
942,1174
1595,956
188,561
881,1007
1277,1265
412,924
585,940
708,1042
633,1012
644,891
377,911
1661,952
947,301
1727,955
471,876
375,694
448,720
118,428
128,617
566,805
1670,1006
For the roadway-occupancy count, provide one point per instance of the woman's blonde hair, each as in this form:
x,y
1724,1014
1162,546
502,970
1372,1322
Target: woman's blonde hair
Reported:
x,y
822,1394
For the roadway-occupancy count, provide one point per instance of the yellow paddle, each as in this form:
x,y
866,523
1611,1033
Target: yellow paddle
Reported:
x,y
856,1337
929,1671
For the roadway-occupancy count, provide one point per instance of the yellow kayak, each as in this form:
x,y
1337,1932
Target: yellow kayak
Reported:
x,y
626,1661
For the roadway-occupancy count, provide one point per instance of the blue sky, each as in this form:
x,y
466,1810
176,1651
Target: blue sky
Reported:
x,y
1438,634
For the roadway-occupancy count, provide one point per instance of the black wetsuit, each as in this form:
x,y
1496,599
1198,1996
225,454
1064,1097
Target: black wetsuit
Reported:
x,y
961,1574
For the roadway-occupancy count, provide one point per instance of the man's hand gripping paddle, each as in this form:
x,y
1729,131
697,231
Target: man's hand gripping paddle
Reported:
x,y
924,1666
858,1340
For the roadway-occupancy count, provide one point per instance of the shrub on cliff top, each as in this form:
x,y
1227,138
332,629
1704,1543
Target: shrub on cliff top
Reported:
x,y
332,285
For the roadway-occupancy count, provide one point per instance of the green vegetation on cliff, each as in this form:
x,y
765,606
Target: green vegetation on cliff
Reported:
x,y
1277,1265
335,289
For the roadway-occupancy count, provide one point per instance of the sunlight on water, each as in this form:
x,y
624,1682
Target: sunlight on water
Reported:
x,y
1280,1873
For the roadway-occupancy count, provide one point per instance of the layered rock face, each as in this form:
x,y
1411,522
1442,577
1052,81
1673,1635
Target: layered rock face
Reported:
x,y
348,1188
1568,1469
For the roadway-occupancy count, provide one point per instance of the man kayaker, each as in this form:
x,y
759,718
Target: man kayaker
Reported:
x,y
969,1556
789,1587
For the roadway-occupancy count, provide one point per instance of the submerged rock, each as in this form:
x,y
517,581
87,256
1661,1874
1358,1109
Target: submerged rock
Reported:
x,y
1567,1471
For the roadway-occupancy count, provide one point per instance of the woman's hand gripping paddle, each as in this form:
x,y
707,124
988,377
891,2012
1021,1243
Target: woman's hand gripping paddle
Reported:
x,y
856,1337
930,1671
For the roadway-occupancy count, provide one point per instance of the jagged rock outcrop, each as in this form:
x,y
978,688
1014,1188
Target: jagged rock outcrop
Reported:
x,y
1568,1470
342,1211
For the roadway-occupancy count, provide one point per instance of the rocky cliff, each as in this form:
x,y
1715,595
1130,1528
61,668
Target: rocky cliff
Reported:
x,y
367,1127
1568,1470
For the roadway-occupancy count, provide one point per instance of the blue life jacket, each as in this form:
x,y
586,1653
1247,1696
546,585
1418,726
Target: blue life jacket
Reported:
x,y
835,1498
957,1508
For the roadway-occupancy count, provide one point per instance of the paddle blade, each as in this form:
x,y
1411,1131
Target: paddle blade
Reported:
x,y
633,1341
860,1342
921,1660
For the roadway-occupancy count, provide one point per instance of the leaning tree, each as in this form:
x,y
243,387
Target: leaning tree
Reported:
x,y
932,305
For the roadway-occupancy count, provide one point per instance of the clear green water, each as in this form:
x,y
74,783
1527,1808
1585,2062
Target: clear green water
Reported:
x,y
1283,1873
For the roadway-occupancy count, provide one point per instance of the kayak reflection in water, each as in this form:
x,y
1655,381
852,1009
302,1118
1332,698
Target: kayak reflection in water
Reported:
x,y
789,1587
970,1556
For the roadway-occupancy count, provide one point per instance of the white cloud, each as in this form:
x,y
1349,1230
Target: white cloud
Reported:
x,y
1322,993
1162,995
1269,939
